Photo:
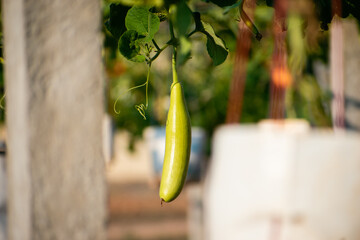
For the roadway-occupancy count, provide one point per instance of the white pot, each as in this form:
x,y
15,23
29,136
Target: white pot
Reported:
x,y
283,182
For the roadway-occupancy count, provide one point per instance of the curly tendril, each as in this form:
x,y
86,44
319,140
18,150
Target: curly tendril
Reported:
x,y
141,108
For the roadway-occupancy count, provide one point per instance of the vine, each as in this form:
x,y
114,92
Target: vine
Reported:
x,y
141,108
136,28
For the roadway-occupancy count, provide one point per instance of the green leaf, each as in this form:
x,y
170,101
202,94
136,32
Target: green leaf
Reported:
x,y
161,12
184,50
216,52
182,16
116,23
129,46
215,45
143,22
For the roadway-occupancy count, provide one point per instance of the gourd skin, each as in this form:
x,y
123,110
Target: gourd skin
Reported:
x,y
177,146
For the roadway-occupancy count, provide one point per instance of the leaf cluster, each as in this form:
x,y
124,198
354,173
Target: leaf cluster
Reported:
x,y
135,29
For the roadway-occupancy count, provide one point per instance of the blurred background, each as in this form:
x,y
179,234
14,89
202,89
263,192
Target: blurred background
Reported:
x,y
302,89
285,164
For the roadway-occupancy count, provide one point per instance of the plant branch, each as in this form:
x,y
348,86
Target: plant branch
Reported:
x,y
190,34
158,53
155,44
171,28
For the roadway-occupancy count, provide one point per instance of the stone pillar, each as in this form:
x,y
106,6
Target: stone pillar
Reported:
x,y
54,107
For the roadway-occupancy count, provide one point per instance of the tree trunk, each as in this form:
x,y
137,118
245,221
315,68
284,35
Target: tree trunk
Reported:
x,y
54,107
280,76
237,86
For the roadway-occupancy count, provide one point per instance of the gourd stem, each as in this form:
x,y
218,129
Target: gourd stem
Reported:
x,y
175,78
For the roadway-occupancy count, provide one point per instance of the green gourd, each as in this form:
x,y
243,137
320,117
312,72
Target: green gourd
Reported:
x,y
178,143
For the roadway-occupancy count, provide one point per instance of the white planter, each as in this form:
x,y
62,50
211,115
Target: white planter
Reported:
x,y
283,182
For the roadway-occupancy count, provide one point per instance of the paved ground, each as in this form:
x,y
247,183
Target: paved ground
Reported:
x,y
135,213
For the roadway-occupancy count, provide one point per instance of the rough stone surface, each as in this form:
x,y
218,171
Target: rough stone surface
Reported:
x,y
56,103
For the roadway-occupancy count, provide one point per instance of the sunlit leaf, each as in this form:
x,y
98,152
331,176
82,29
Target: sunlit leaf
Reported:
x,y
215,45
182,16
184,51
143,22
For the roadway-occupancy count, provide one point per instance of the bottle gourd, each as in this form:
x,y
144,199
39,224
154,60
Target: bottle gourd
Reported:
x,y
178,143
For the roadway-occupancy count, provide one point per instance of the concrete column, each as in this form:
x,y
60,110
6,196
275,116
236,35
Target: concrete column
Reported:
x,y
54,107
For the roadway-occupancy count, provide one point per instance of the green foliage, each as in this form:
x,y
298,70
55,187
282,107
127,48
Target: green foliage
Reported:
x,y
129,46
181,17
184,51
116,22
311,102
257,88
137,32
145,23
200,30
215,45
141,25
216,50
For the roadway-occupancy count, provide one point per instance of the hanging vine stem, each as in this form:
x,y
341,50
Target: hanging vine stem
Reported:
x,y
141,108
173,39
173,61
